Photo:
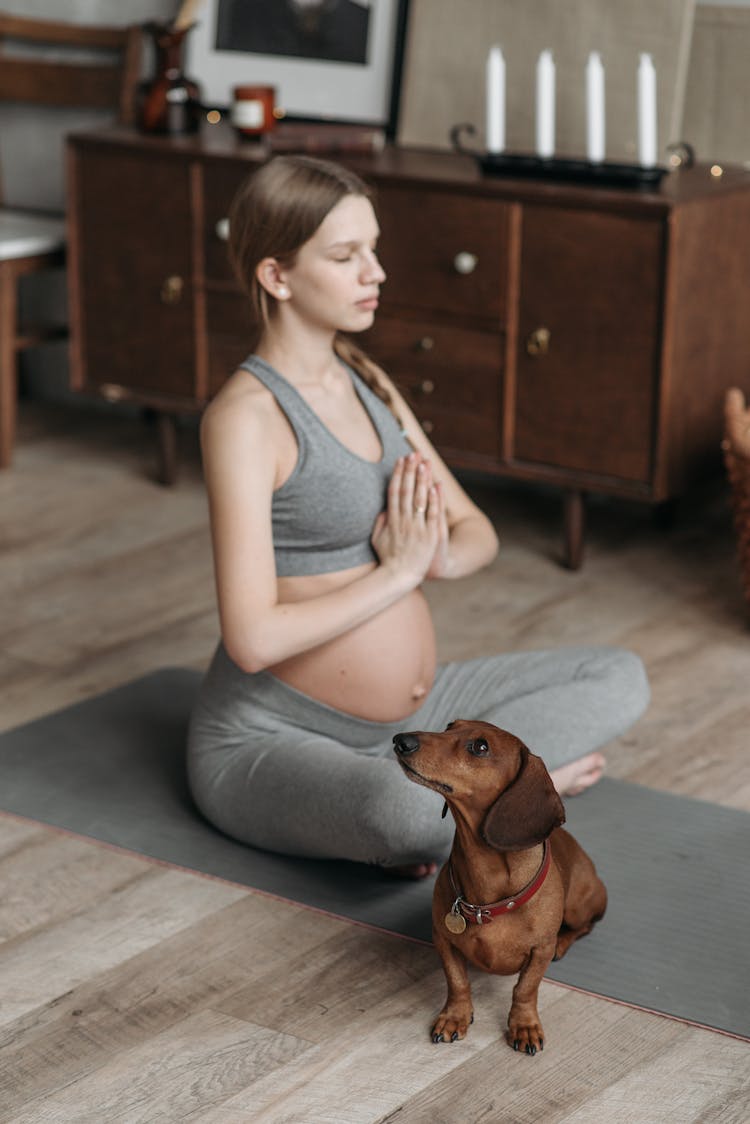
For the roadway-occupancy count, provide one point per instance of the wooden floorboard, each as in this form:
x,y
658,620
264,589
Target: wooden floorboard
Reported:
x,y
131,991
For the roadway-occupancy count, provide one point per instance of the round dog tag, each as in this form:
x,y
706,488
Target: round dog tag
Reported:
x,y
455,922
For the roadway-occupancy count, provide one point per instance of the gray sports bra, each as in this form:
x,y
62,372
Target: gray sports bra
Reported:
x,y
323,514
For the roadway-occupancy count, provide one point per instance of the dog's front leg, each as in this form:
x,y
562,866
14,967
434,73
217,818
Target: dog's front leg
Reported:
x,y
456,1016
524,1028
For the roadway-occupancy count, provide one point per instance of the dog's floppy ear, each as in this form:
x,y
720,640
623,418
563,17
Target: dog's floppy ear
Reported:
x,y
526,811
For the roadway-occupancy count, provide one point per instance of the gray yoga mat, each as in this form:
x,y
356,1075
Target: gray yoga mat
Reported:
x,y
675,937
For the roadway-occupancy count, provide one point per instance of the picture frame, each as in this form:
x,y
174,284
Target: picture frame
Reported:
x,y
365,93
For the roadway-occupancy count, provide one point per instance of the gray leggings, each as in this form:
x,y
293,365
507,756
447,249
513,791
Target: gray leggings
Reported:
x,y
277,769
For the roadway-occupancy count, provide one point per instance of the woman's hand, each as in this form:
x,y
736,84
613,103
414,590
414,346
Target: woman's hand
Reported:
x,y
407,535
439,565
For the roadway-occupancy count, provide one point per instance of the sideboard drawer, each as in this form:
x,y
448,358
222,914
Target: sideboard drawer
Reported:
x,y
450,376
444,252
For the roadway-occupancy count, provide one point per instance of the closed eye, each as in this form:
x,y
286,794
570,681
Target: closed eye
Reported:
x,y
478,747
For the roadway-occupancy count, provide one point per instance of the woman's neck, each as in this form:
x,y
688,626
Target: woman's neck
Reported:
x,y
303,358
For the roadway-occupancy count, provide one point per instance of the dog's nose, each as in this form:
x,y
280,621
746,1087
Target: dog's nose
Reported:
x,y
405,743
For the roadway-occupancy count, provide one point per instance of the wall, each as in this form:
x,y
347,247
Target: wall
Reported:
x,y
716,119
31,139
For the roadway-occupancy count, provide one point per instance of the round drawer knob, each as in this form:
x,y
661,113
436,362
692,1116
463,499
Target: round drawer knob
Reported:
x,y
465,262
425,344
171,289
113,392
427,386
538,342
222,230
427,425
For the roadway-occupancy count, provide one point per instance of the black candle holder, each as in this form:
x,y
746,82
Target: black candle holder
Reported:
x,y
604,173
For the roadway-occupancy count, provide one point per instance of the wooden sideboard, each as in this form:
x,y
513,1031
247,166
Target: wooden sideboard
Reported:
x,y
581,336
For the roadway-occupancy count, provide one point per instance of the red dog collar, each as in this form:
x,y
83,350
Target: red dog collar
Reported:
x,y
480,914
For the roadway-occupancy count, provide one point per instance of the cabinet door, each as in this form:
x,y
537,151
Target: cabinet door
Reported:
x,y
220,183
589,342
228,318
134,277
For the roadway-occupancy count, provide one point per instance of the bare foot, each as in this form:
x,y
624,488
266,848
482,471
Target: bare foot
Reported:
x,y
578,775
412,870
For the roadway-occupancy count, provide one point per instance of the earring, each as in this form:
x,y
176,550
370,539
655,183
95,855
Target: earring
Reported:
x,y
283,291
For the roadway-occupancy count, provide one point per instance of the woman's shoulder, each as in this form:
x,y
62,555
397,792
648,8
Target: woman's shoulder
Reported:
x,y
243,405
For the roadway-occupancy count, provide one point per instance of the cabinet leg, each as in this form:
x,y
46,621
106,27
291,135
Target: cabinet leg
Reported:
x,y
8,363
166,431
665,514
574,514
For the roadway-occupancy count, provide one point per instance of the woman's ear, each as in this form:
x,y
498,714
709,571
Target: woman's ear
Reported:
x,y
273,278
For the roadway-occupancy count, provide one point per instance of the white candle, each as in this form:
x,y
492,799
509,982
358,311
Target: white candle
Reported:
x,y
647,145
545,105
495,119
595,115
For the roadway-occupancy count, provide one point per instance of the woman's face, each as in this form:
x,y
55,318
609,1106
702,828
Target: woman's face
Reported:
x,y
335,280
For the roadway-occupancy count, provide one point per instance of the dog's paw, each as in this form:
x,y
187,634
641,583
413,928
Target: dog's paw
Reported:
x,y
526,1039
452,1025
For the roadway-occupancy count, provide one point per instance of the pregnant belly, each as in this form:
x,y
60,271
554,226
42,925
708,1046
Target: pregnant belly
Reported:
x,y
382,670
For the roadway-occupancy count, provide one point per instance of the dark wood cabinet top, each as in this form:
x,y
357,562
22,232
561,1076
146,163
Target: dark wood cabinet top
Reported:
x,y
458,172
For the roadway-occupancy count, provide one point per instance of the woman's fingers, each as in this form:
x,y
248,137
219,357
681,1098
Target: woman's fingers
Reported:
x,y
422,489
414,480
394,487
440,506
409,531
434,505
408,485
414,503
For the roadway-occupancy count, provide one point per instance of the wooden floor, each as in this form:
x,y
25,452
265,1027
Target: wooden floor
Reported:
x,y
133,992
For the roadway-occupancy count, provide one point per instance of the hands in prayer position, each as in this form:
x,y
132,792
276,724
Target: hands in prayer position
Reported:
x,y
412,533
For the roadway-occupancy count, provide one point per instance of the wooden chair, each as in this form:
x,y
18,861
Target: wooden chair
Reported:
x,y
736,447
29,240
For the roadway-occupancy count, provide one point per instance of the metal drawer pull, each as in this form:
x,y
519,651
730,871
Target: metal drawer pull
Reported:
x,y
222,230
538,342
465,262
425,344
427,425
427,386
171,289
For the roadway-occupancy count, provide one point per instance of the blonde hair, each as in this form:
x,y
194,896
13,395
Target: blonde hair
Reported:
x,y
275,211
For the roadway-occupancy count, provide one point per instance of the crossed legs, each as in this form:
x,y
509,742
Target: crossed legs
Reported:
x,y
295,790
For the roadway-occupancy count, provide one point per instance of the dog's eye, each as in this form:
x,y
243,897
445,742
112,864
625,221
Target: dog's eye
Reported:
x,y
478,747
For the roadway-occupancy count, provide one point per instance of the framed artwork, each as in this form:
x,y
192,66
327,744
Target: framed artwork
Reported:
x,y
337,60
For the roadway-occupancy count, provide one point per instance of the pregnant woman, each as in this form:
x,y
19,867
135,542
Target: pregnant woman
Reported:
x,y
329,508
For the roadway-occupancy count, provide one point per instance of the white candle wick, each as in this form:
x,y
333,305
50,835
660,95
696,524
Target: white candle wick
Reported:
x,y
595,108
545,105
495,106
647,134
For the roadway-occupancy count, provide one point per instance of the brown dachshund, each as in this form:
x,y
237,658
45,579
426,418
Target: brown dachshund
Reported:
x,y
517,889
